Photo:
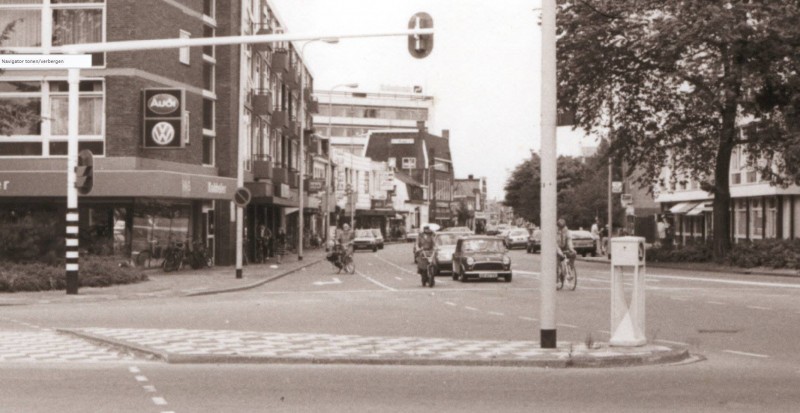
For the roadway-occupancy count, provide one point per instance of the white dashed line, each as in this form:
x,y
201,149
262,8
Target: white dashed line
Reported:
x,y
527,318
496,313
742,353
471,308
395,265
715,302
378,283
141,378
733,282
755,307
149,389
398,278
159,401
134,370
450,304
566,325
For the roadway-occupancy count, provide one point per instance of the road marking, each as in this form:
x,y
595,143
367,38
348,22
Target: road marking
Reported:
x,y
450,304
471,308
679,299
378,283
159,401
604,332
734,282
141,378
672,342
715,302
496,313
566,325
527,272
149,389
394,265
742,353
755,307
527,318
333,281
398,278
134,370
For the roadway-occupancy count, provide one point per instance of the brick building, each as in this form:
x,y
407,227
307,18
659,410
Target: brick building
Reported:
x,y
146,194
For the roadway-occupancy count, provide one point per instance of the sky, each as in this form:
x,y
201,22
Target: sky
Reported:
x,y
483,72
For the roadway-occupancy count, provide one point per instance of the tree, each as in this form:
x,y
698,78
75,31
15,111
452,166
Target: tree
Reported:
x,y
669,81
463,212
13,114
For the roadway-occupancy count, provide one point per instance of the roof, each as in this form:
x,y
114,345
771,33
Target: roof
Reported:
x,y
466,187
406,179
420,146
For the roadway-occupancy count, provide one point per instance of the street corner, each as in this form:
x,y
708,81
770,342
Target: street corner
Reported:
x,y
605,355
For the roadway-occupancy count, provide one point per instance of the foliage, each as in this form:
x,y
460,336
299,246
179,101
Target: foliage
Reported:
x,y
14,114
696,252
773,253
33,238
668,81
94,272
463,213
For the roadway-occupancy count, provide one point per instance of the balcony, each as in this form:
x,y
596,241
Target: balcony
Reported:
x,y
262,102
280,61
262,47
262,166
294,180
291,78
294,128
280,175
280,119
313,106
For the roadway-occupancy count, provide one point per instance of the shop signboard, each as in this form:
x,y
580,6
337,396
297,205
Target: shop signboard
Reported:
x,y
315,185
387,181
164,118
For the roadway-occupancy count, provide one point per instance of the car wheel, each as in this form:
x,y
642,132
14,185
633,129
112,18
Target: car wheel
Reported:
x,y
508,278
583,254
461,276
374,249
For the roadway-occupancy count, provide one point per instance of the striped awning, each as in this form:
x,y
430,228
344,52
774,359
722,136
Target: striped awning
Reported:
x,y
700,208
683,207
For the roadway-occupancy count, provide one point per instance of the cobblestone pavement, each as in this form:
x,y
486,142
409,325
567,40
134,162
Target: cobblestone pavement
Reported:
x,y
238,346
50,346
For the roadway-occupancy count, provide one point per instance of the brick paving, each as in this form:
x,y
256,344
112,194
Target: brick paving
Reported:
x,y
50,346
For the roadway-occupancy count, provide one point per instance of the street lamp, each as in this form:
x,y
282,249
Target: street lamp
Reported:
x,y
330,136
302,166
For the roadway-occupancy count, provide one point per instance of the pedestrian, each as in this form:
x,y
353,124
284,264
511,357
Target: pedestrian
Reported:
x,y
596,235
280,244
661,228
604,233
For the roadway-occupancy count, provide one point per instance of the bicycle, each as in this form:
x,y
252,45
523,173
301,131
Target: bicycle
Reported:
x,y
426,269
566,274
199,256
154,251
174,256
342,259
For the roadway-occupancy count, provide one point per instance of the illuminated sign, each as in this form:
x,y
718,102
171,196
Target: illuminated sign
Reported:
x,y
164,121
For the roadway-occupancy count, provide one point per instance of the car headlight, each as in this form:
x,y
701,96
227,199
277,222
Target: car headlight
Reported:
x,y
506,260
470,261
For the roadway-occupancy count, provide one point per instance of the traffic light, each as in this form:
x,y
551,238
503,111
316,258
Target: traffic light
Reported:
x,y
84,172
420,46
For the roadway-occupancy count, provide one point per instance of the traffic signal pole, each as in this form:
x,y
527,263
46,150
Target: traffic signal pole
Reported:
x,y
72,243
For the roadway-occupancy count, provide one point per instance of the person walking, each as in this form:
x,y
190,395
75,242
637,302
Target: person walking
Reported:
x,y
596,235
280,244
604,233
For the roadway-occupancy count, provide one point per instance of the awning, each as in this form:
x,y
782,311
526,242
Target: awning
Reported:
x,y
376,212
289,211
683,207
700,208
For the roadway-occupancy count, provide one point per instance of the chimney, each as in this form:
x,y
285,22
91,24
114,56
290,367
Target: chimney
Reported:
x,y
421,126
471,177
446,133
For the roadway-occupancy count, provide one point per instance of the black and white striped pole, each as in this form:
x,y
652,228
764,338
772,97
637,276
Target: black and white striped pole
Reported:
x,y
72,253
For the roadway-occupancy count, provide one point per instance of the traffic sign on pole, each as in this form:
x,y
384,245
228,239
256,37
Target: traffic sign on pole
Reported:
x,y
242,197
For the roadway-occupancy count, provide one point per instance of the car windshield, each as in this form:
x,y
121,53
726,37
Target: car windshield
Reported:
x,y
446,239
483,245
364,233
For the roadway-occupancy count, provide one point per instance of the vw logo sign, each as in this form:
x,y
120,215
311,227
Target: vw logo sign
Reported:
x,y
163,133
163,104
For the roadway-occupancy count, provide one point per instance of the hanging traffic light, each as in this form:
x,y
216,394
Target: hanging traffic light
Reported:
x,y
420,45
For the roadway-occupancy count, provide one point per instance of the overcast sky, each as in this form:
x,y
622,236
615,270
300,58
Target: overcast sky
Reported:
x,y
483,72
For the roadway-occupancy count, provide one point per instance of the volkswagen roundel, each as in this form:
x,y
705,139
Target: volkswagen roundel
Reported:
x,y
163,133
163,104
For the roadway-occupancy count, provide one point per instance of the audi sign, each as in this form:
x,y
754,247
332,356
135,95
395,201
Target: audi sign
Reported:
x,y
163,111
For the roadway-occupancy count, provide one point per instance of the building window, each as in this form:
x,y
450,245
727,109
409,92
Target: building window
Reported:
x,y
409,163
208,76
736,178
209,8
208,150
208,32
208,114
183,52
67,23
756,218
772,218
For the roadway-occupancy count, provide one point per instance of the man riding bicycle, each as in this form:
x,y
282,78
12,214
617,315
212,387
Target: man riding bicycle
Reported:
x,y
343,245
565,248
425,244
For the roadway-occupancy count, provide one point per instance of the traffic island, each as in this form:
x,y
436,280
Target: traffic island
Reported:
x,y
177,346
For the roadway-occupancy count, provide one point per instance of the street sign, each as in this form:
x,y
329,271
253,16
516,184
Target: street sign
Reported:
x,y
616,187
626,199
420,46
242,197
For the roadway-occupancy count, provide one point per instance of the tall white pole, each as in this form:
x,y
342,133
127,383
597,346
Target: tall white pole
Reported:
x,y
548,158
302,114
72,252
244,72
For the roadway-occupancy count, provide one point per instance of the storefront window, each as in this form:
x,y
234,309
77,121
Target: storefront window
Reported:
x,y
156,225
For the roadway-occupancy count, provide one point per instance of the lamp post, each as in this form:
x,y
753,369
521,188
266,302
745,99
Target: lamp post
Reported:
x,y
330,136
302,113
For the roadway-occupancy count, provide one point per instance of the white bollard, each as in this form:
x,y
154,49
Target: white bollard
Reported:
x,y
627,322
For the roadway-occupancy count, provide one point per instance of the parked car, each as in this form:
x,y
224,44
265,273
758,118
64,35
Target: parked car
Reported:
x,y
535,241
482,257
517,238
460,230
584,242
365,240
443,252
378,237
496,229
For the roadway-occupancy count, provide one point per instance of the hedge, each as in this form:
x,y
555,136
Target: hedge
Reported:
x,y
772,253
94,272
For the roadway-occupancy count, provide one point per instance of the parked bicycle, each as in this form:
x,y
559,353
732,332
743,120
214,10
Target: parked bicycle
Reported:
x,y
200,257
145,257
174,256
567,274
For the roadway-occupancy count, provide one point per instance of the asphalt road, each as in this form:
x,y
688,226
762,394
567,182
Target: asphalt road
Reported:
x,y
746,328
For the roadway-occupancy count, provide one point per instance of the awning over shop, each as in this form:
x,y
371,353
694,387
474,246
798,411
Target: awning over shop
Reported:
x,y
683,207
289,211
700,208
378,212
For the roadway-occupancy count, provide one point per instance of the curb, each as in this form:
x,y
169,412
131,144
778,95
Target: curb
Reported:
x,y
742,271
255,284
674,355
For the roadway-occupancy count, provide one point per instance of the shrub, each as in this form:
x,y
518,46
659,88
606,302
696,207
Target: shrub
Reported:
x,y
94,272
767,253
696,252
32,240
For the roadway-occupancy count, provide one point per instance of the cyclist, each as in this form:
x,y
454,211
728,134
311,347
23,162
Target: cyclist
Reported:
x,y
425,242
343,246
565,248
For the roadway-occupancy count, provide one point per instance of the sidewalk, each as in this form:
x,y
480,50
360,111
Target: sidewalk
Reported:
x,y
182,283
707,266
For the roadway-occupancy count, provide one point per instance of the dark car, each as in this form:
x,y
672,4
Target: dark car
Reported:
x,y
443,251
481,257
365,240
517,237
535,241
584,243
378,237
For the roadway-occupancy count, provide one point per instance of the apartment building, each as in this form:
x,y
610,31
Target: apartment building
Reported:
x,y
154,187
